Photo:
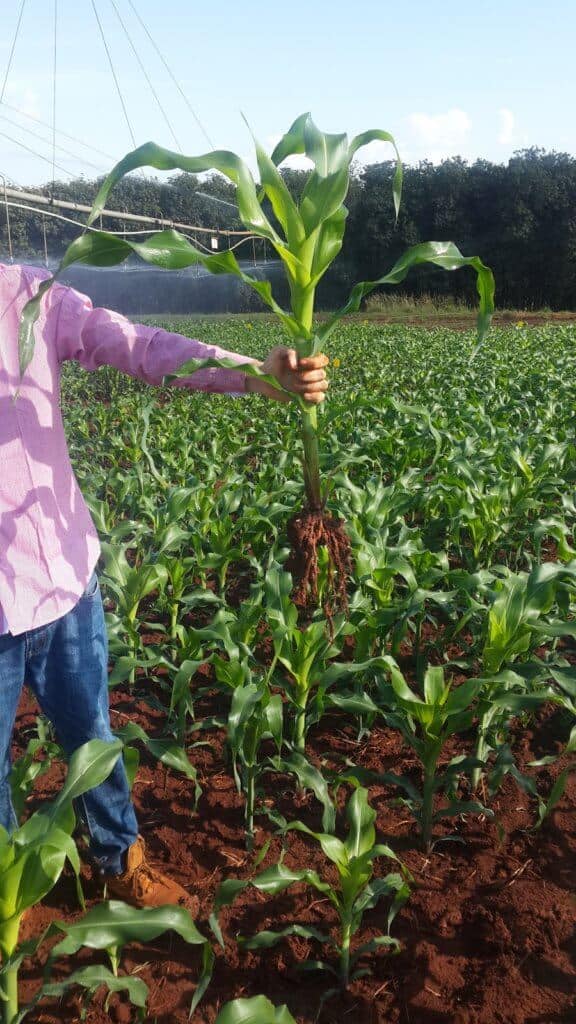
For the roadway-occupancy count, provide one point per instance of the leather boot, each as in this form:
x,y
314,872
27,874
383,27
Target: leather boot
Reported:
x,y
142,885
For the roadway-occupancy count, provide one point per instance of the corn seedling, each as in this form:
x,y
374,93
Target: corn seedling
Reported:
x,y
111,925
426,722
255,715
356,892
304,653
33,856
307,236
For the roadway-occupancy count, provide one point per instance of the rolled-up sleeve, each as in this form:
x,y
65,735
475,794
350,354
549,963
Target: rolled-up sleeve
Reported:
x,y
100,337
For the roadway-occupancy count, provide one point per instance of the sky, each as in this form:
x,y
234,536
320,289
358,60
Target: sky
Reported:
x,y
479,80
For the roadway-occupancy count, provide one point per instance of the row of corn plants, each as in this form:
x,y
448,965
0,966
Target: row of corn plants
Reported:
x,y
456,484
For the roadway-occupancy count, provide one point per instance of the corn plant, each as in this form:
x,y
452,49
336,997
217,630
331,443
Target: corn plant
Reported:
x,y
356,892
33,856
111,925
130,585
304,653
257,1010
307,236
427,720
255,715
29,766
517,620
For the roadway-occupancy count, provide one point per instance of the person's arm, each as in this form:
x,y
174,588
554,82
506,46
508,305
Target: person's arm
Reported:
x,y
100,337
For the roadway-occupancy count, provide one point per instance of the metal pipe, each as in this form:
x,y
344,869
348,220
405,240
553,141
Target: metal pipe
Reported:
x,y
118,214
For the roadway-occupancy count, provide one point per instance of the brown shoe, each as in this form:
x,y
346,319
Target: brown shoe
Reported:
x,y
142,885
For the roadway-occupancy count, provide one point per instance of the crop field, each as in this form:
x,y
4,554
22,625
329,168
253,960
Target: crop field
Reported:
x,y
392,788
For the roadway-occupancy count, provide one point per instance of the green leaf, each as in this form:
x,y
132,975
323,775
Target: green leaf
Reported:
x,y
285,209
373,945
92,978
556,794
258,1010
208,960
273,881
378,888
89,766
311,778
168,249
442,254
323,197
360,817
230,165
30,314
375,135
267,939
333,847
435,690
457,807
114,924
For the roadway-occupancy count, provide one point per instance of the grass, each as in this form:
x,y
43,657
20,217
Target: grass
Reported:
x,y
393,308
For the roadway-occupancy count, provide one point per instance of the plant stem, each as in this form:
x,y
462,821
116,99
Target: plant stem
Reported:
x,y
311,460
10,985
300,728
485,716
250,796
303,304
173,620
427,806
345,955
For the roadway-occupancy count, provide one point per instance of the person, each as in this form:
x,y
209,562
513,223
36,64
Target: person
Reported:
x,y
52,629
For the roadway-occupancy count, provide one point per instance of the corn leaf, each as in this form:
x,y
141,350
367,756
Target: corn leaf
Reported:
x,y
230,165
258,1010
442,254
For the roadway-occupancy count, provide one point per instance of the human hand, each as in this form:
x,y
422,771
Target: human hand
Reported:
x,y
304,377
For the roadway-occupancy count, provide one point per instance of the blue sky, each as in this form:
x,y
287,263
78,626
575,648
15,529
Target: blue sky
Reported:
x,y
479,79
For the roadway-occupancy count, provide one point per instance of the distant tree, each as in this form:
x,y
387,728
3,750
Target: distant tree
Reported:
x,y
520,217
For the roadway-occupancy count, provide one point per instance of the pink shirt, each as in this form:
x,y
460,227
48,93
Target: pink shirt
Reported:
x,y
48,543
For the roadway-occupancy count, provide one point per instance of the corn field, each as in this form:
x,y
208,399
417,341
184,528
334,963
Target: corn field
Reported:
x,y
375,809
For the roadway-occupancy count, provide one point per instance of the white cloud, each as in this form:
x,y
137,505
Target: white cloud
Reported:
x,y
440,135
506,133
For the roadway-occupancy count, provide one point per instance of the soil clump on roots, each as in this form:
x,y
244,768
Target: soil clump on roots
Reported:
x,y
308,531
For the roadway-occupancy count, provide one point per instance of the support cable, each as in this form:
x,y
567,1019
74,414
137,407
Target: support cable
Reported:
x,y
173,77
54,69
35,153
65,135
45,240
62,149
146,76
12,49
114,75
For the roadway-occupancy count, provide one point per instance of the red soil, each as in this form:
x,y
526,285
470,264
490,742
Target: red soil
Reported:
x,y
488,935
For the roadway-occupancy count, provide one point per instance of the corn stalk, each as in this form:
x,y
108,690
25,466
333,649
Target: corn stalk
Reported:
x,y
307,237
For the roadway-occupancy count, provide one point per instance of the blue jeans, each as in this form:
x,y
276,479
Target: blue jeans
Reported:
x,y
66,666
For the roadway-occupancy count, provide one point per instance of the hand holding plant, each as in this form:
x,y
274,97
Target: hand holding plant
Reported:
x,y
307,236
305,378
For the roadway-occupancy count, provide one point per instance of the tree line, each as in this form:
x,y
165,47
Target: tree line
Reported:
x,y
520,218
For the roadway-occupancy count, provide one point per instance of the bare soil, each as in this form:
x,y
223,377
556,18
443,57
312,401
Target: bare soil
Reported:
x,y
488,935
464,322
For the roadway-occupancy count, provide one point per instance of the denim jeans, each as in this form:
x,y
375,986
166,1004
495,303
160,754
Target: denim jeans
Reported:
x,y
65,664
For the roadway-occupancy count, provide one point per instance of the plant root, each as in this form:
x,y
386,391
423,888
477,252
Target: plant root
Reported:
x,y
307,531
